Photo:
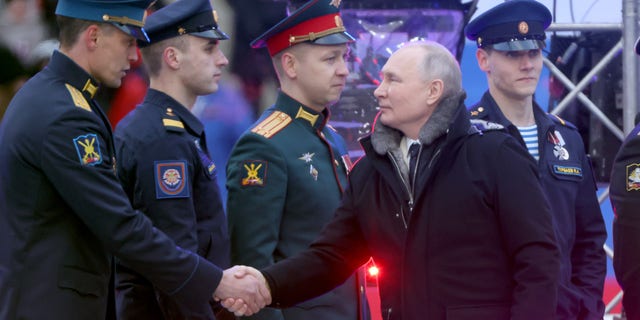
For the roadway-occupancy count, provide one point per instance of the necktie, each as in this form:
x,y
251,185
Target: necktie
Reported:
x,y
413,159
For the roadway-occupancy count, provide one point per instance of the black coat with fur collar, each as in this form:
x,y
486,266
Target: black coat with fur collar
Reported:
x,y
473,240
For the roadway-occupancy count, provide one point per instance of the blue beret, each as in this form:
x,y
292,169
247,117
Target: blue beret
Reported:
x,y
511,26
317,21
127,15
194,17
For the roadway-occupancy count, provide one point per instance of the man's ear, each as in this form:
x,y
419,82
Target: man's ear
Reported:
x,y
434,91
91,36
171,56
483,59
289,63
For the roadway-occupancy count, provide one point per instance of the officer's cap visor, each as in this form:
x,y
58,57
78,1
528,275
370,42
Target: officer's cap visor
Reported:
x,y
136,32
519,45
211,34
335,38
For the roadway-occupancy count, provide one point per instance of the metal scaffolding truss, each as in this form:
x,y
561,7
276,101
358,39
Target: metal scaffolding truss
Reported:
x,y
629,28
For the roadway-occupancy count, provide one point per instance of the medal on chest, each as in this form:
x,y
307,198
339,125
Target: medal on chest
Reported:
x,y
308,158
559,151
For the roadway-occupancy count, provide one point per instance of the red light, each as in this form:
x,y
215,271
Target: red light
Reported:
x,y
373,271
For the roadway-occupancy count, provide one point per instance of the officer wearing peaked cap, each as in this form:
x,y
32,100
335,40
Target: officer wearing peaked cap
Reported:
x,y
61,202
510,37
286,174
126,15
196,18
163,161
511,26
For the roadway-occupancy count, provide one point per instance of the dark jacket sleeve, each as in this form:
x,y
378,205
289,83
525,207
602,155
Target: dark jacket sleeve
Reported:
x,y
525,220
625,198
94,194
339,250
588,258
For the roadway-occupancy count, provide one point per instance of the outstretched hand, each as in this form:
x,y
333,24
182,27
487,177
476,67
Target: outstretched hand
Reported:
x,y
243,291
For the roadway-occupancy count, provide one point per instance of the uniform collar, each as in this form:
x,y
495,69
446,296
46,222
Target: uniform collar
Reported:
x,y
494,114
165,102
301,113
73,74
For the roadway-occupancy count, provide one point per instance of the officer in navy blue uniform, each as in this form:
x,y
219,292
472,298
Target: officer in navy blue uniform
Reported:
x,y
161,148
287,173
64,210
625,199
510,38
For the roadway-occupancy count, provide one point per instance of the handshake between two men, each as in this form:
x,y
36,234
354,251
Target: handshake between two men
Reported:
x,y
243,290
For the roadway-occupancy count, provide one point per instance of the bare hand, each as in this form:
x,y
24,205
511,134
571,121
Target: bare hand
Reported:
x,y
244,290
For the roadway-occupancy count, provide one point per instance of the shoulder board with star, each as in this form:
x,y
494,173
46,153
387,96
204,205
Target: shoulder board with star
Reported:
x,y
484,125
477,111
172,122
78,98
272,124
561,121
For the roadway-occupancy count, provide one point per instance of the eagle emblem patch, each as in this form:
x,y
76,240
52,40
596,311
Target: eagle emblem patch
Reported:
x,y
171,179
88,149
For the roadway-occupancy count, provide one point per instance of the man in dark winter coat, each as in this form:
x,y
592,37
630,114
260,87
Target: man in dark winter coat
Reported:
x,y
467,234
510,40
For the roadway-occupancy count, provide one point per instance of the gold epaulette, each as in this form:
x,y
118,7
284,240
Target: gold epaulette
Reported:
x,y
272,124
564,123
78,98
172,122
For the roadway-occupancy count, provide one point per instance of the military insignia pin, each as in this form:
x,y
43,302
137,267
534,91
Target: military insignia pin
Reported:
x,y
633,177
256,173
88,149
171,179
313,172
335,3
307,157
558,149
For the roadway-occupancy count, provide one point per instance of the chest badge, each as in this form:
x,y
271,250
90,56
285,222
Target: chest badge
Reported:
x,y
307,157
558,145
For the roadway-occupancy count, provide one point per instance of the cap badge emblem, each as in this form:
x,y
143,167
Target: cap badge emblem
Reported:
x,y
335,3
523,27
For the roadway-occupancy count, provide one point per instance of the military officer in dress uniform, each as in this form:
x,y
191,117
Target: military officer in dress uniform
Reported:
x,y
625,199
61,203
286,174
510,38
163,161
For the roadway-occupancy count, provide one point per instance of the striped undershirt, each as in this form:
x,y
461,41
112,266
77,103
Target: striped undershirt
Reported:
x,y
530,137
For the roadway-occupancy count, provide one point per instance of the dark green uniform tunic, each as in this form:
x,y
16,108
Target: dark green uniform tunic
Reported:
x,y
285,178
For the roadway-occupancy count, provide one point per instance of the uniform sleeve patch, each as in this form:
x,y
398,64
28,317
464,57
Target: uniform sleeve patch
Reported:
x,y
633,177
255,173
171,179
88,149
